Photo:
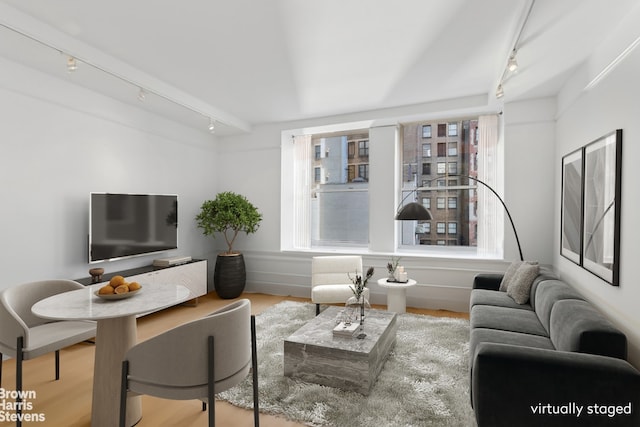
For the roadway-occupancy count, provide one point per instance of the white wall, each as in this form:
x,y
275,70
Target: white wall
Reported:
x,y
58,142
529,146
586,116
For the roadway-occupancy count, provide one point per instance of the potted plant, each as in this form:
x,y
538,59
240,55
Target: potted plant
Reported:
x,y
391,268
229,214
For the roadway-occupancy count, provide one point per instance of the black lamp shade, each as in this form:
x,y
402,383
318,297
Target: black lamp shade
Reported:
x,y
413,211
416,212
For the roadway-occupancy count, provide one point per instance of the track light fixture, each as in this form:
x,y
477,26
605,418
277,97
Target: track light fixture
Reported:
x,y
512,65
72,65
212,126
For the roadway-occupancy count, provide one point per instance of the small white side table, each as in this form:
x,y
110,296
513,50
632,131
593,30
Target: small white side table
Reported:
x,y
396,294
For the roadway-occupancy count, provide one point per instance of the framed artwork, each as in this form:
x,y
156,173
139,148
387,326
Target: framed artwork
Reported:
x,y
571,207
601,207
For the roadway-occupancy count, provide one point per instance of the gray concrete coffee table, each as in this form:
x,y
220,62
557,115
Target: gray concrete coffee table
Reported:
x,y
313,354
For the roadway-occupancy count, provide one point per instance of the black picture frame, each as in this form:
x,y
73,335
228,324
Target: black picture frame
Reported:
x,y
601,199
571,213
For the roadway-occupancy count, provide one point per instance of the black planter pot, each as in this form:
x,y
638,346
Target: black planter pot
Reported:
x,y
229,276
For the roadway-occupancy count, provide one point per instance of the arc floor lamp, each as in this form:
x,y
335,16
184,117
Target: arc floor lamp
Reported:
x,y
415,211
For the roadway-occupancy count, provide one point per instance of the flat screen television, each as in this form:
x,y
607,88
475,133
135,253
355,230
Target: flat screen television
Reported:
x,y
127,225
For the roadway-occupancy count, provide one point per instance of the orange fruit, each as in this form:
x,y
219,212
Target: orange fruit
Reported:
x,y
106,290
122,289
116,281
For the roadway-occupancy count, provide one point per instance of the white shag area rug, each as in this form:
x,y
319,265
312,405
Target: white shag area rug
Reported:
x,y
424,382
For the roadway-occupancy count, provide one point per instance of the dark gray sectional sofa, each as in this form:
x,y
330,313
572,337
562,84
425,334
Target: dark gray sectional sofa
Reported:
x,y
554,361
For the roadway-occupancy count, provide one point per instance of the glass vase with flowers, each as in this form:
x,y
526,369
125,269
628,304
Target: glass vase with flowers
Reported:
x,y
356,305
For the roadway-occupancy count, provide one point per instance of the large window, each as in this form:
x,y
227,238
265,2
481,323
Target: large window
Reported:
x,y
337,201
333,174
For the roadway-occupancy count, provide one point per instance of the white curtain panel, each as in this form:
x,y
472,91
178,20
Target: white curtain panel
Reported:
x,y
302,191
490,210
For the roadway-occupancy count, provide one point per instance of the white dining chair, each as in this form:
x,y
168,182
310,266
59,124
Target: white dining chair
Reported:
x,y
195,360
25,336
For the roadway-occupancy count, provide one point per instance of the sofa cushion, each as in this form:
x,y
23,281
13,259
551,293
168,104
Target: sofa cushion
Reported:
x,y
547,294
544,274
500,299
578,327
479,335
506,319
520,284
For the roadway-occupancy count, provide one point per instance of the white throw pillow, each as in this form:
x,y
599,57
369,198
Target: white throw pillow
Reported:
x,y
520,285
508,275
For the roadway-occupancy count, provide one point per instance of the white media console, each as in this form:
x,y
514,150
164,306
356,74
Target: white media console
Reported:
x,y
192,274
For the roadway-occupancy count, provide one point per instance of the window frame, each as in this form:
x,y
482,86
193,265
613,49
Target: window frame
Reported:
x,y
450,225
452,149
427,146
452,202
363,148
363,167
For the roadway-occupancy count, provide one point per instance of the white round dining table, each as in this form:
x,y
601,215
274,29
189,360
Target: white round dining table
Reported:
x,y
115,334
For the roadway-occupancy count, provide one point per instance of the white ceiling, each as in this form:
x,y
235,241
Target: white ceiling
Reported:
x,y
248,62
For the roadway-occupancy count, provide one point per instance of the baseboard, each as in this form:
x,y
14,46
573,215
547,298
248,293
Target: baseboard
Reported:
x,y
422,296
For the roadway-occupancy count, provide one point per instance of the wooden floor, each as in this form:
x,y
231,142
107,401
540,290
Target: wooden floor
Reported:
x,y
67,402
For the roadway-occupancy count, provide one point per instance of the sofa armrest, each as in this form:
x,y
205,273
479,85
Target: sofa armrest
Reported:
x,y
488,281
526,386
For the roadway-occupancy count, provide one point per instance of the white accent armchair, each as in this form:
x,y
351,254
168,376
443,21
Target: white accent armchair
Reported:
x,y
195,360
330,282
25,336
